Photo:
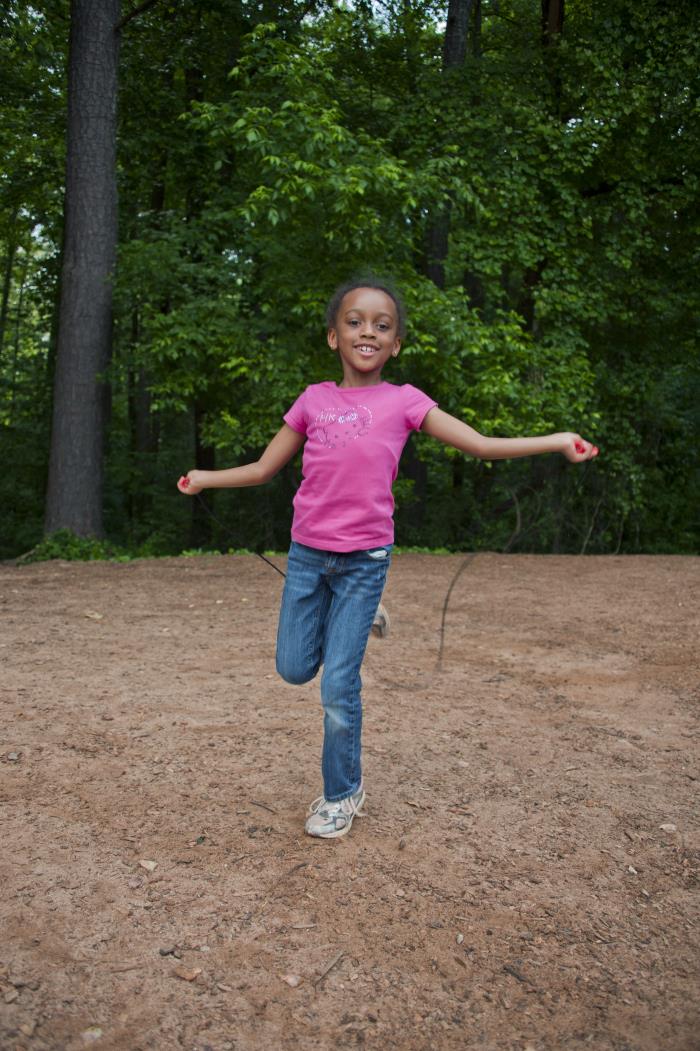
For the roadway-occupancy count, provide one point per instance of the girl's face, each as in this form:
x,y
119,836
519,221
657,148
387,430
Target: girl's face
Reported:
x,y
366,335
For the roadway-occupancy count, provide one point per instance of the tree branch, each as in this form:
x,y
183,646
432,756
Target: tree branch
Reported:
x,y
138,10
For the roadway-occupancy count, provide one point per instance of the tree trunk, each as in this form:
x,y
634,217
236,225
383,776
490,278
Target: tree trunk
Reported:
x,y
437,241
454,53
454,50
12,246
18,332
552,27
476,30
552,20
74,494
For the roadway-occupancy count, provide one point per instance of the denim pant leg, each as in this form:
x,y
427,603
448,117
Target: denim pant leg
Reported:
x,y
305,602
357,586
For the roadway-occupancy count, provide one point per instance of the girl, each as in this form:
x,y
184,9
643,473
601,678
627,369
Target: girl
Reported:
x,y
342,531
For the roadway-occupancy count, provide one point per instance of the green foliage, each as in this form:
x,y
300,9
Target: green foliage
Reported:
x,y
71,548
261,164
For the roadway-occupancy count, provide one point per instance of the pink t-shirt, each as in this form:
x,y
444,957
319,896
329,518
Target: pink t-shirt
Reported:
x,y
354,439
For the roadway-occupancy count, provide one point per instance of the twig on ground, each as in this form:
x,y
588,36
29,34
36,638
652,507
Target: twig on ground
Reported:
x,y
336,959
254,802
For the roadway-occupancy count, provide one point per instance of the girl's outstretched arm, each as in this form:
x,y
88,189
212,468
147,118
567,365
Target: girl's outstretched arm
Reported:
x,y
281,449
451,431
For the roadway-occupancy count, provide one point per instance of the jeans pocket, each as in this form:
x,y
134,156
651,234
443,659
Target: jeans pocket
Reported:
x,y
379,554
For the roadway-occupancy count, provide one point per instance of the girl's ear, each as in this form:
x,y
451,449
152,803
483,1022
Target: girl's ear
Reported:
x,y
332,337
397,348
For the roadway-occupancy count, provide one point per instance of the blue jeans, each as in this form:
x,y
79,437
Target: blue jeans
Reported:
x,y
328,606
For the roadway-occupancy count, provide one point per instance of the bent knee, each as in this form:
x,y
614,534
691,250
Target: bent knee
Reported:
x,y
295,674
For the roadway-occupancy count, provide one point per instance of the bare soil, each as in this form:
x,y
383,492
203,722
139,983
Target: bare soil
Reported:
x,y
525,879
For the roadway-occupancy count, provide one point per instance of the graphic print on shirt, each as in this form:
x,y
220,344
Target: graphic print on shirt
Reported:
x,y
336,428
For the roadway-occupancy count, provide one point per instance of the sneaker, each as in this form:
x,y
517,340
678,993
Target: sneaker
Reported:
x,y
331,820
380,627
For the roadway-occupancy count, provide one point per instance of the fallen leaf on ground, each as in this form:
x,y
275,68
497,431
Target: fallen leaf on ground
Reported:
x,y
187,975
92,615
148,865
292,979
668,827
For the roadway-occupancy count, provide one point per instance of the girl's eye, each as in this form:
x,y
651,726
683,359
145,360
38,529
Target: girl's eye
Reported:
x,y
353,321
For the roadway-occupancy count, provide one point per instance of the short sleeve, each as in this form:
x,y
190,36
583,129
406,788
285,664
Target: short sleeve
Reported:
x,y
417,405
296,418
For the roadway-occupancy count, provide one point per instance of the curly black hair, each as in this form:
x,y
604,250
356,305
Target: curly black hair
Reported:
x,y
366,281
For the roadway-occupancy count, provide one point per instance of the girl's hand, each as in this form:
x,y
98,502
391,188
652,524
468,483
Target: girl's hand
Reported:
x,y
576,449
188,484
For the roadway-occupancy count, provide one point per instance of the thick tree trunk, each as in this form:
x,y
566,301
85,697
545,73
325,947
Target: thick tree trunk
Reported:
x,y
74,494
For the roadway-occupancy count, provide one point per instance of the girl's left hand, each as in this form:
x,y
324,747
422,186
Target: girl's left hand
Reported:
x,y
188,484
576,449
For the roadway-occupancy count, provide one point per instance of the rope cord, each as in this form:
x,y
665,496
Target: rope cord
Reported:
x,y
443,619
466,561
226,532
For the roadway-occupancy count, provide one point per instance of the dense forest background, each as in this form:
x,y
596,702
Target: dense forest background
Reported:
x,y
526,171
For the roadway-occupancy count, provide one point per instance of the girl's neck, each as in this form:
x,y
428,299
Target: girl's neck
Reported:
x,y
360,384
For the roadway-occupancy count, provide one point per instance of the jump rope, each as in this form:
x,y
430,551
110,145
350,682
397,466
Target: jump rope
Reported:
x,y
443,619
466,561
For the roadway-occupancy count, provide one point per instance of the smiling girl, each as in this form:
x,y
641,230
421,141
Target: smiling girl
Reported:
x,y
353,435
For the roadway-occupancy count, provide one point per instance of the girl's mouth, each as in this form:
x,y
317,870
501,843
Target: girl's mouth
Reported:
x,y
366,349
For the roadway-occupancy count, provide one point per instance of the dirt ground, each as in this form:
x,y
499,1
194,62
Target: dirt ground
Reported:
x,y
525,879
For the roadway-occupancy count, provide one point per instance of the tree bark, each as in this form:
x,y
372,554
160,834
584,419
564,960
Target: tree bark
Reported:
x,y
552,27
552,20
12,246
454,49
74,493
454,53
18,332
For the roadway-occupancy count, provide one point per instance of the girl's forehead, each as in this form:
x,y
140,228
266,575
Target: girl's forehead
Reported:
x,y
371,300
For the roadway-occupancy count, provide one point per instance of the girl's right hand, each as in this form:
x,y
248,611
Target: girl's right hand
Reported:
x,y
576,449
188,484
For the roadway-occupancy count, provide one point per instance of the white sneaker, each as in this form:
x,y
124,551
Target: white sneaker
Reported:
x,y
380,626
331,820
